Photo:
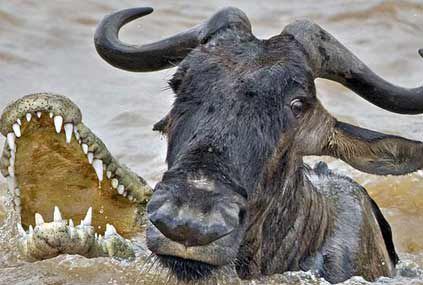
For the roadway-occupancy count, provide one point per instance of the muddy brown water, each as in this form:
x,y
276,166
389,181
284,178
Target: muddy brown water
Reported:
x,y
48,46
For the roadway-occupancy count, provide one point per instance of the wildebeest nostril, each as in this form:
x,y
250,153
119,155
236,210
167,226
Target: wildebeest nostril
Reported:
x,y
189,227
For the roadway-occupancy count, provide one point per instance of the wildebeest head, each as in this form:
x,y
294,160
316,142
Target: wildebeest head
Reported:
x,y
245,114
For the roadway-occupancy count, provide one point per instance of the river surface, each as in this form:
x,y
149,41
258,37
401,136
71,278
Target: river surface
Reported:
x,y
47,45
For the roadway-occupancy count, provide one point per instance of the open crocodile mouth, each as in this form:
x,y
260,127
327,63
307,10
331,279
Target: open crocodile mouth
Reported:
x,y
53,161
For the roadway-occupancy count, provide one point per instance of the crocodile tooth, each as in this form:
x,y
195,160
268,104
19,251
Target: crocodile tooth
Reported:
x,y
90,156
11,141
77,136
19,122
68,131
115,183
11,171
39,114
110,231
11,182
51,115
17,201
28,117
31,230
71,231
12,160
121,189
38,219
109,174
57,216
113,228
71,223
58,122
17,130
84,148
21,229
98,167
88,217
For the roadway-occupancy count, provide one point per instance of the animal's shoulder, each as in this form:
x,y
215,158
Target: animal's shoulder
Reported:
x,y
354,212
348,200
334,185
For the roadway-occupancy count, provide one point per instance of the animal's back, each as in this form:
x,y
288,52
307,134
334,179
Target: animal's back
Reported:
x,y
359,242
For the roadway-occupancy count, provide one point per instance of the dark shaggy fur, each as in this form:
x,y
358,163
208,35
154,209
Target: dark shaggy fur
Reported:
x,y
231,120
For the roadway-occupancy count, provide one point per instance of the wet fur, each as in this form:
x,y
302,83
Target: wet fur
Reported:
x,y
353,245
230,119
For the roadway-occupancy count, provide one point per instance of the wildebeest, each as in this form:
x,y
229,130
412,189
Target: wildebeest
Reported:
x,y
236,191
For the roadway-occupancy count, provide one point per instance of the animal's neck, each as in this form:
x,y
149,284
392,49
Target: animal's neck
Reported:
x,y
293,226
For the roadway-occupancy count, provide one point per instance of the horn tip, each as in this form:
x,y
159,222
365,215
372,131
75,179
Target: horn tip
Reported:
x,y
136,12
146,10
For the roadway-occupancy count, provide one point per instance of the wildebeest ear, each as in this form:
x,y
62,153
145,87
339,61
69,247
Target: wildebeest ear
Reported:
x,y
374,152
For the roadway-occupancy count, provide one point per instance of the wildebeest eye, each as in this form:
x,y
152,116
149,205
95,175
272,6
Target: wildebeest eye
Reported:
x,y
297,107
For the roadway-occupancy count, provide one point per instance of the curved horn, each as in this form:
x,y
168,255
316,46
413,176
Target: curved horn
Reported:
x,y
165,53
329,59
